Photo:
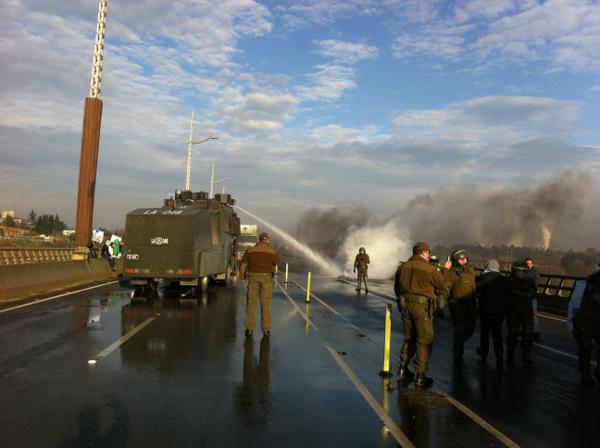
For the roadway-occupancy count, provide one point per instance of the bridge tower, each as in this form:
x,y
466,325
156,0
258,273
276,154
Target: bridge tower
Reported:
x,y
90,139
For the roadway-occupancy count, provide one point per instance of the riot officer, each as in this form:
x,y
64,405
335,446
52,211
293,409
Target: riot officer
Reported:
x,y
520,312
415,285
462,301
587,327
361,264
259,262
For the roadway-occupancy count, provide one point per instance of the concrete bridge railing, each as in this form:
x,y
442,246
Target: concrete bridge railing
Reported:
x,y
9,255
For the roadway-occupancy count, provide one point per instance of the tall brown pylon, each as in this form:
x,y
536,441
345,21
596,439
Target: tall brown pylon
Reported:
x,y
90,138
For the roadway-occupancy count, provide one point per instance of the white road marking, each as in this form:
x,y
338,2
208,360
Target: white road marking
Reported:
x,y
298,310
108,350
548,316
461,407
55,297
481,422
400,437
330,309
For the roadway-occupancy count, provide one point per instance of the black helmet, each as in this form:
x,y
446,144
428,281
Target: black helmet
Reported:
x,y
362,249
458,254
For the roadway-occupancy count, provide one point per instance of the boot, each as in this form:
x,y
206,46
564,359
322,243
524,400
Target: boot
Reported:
x,y
422,381
405,375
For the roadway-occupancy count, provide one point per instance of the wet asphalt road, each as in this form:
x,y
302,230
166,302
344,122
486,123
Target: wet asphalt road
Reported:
x,y
188,377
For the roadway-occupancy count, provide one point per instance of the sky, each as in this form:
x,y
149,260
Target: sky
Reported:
x,y
314,103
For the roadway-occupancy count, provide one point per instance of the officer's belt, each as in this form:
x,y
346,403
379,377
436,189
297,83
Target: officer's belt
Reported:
x,y
413,298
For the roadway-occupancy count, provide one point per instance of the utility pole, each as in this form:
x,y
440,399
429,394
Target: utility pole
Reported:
x,y
191,142
90,140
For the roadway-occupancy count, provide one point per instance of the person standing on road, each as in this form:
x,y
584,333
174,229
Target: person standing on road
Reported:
x,y
462,301
536,321
520,312
495,295
416,285
259,264
361,264
587,328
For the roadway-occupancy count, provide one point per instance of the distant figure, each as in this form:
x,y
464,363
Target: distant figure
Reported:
x,y
112,261
415,286
462,301
536,321
587,328
93,253
361,264
495,294
105,252
520,312
259,263
117,248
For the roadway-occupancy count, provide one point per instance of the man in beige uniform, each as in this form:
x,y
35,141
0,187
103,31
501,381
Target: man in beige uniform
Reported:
x,y
259,263
416,285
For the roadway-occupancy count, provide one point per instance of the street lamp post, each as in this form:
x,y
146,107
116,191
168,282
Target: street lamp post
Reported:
x,y
191,142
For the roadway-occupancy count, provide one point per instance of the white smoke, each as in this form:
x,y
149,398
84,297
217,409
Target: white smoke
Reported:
x,y
386,244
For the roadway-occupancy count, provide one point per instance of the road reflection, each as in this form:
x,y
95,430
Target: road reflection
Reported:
x,y
253,396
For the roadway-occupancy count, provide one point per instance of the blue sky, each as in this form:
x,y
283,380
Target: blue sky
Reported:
x,y
315,103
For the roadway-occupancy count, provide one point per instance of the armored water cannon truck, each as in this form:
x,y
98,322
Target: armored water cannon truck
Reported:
x,y
190,240
248,238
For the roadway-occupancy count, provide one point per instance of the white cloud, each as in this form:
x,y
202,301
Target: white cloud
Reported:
x,y
485,120
470,9
346,52
438,40
328,82
561,35
257,112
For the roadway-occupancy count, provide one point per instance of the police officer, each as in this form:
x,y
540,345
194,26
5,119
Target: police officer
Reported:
x,y
520,312
415,286
462,301
587,327
361,264
259,263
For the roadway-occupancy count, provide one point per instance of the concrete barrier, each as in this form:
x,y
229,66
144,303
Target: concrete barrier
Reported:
x,y
27,279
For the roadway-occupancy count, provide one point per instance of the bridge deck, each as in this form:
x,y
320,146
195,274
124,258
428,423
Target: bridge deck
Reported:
x,y
187,377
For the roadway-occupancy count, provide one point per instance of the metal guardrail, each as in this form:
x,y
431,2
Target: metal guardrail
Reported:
x,y
9,255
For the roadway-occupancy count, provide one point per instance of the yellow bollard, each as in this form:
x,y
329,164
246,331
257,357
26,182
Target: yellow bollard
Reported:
x,y
386,344
307,312
286,274
308,289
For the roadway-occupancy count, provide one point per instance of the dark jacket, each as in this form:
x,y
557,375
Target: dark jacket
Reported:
x,y
463,283
590,303
259,259
418,277
495,293
523,288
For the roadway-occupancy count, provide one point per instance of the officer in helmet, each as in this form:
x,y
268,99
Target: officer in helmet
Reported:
x,y
361,266
462,301
520,312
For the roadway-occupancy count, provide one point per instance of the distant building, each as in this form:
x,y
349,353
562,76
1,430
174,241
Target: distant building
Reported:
x,y
68,232
8,214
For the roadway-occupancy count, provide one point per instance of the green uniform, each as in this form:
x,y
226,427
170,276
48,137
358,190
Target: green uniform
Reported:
x,y
587,326
361,266
520,316
259,262
463,305
415,286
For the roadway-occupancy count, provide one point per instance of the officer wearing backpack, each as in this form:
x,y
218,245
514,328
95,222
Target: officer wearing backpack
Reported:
x,y
587,327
